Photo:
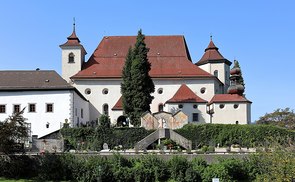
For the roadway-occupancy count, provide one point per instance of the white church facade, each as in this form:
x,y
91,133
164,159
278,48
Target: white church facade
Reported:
x,y
199,90
204,92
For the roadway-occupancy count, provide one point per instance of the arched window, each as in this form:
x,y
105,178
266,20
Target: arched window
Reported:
x,y
71,57
216,73
106,109
161,107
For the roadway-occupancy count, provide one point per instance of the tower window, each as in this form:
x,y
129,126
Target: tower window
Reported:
x,y
221,106
216,73
161,107
180,106
71,58
236,106
106,109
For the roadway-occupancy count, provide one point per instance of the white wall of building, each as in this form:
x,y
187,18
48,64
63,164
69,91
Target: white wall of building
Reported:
x,y
61,101
230,115
188,109
79,111
223,72
98,99
70,69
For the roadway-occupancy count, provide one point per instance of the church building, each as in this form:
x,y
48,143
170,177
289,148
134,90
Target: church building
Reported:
x,y
207,91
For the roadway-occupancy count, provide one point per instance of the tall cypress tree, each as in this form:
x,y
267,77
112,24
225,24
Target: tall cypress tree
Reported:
x,y
137,85
126,85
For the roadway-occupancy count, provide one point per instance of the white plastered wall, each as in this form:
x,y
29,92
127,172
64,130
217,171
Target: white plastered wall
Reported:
x,y
230,115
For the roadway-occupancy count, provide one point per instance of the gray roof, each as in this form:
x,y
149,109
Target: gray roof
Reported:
x,y
32,80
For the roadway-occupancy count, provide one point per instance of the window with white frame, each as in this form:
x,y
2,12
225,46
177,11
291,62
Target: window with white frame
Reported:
x,y
32,107
2,108
49,107
16,108
195,117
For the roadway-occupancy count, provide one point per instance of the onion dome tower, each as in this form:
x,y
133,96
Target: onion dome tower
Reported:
x,y
236,80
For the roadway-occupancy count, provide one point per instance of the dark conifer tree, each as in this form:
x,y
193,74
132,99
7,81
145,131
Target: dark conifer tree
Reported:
x,y
126,85
137,85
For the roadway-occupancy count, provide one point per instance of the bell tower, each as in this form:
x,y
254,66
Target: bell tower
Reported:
x,y
213,62
73,56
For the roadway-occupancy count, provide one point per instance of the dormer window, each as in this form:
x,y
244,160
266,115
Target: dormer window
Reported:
x,y
71,57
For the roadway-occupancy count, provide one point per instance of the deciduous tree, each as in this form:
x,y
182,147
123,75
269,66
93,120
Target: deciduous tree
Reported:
x,y
280,117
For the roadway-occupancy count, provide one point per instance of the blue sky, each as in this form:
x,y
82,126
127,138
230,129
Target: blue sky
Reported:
x,y
259,34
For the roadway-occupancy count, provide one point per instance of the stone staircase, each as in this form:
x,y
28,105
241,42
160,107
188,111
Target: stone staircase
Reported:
x,y
163,133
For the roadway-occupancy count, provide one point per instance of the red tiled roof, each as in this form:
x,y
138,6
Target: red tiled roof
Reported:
x,y
220,98
118,105
73,40
185,95
212,54
168,55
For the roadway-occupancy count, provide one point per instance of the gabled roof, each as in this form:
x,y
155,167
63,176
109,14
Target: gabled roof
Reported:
x,y
222,98
168,55
185,95
32,80
40,80
212,55
118,105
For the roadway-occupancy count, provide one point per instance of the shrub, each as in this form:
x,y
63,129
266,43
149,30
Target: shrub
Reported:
x,y
177,167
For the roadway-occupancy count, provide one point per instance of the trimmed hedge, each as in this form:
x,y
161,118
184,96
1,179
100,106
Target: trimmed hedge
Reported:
x,y
244,135
94,138
200,135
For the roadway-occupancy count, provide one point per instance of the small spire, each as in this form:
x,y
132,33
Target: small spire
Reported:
x,y
210,36
74,25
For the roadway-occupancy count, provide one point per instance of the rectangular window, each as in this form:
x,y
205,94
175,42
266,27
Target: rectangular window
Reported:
x,y
195,117
32,107
82,113
49,107
2,108
76,112
16,108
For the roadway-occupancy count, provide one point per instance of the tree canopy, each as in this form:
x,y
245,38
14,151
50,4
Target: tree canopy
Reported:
x,y
280,117
137,85
13,133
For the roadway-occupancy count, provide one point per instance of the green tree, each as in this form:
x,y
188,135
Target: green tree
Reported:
x,y
241,79
280,117
104,121
13,133
137,85
126,85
